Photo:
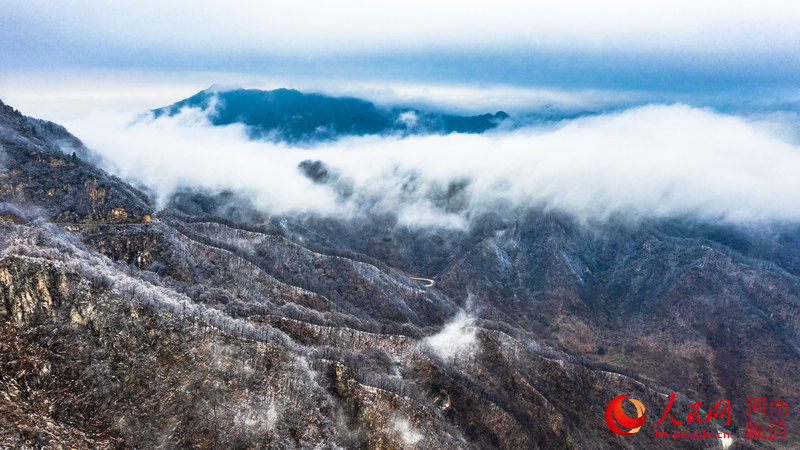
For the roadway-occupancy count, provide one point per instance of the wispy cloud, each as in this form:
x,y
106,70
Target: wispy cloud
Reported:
x,y
456,339
408,433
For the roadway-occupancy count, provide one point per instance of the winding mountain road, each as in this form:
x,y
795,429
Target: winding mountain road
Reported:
x,y
428,282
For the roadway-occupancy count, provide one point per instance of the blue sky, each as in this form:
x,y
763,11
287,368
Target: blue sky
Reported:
x,y
684,47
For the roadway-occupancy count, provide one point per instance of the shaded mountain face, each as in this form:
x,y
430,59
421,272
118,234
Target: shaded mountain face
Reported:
x,y
42,169
207,324
292,116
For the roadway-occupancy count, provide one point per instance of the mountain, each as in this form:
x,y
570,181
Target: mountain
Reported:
x,y
207,324
292,116
41,167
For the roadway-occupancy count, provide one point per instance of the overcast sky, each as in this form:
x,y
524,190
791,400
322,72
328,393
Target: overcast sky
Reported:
x,y
676,46
95,66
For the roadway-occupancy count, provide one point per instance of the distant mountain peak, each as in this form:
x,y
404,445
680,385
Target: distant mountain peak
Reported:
x,y
293,116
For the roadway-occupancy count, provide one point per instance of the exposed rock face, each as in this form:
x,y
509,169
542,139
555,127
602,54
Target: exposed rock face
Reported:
x,y
122,327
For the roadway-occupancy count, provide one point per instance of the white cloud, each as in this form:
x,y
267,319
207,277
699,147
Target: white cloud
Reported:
x,y
408,118
475,99
407,432
653,161
457,338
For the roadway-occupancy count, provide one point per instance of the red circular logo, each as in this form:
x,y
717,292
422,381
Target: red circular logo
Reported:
x,y
615,414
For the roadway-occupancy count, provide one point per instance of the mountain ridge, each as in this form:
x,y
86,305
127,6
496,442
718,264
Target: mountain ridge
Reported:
x,y
293,116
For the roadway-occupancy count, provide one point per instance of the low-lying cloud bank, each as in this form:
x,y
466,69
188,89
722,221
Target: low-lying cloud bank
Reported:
x,y
646,162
